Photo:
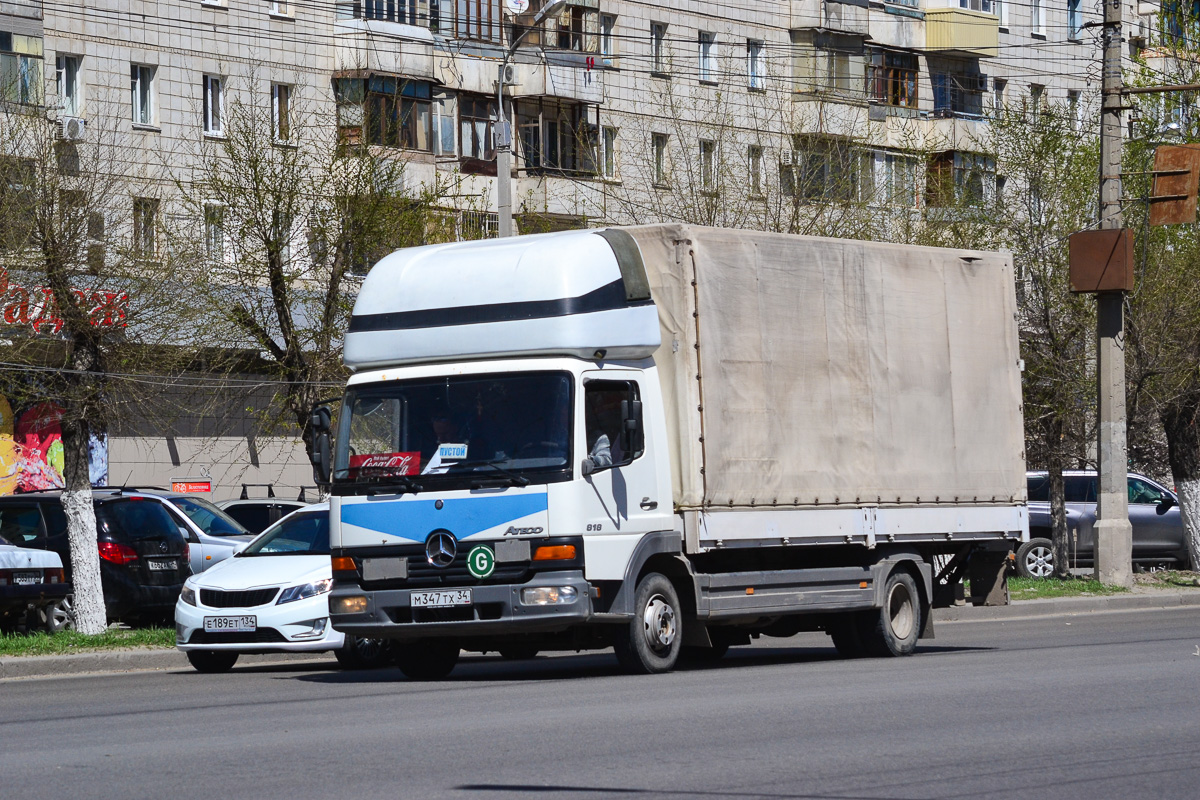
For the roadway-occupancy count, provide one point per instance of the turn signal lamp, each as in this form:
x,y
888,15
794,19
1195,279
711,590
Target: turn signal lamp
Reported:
x,y
343,564
555,552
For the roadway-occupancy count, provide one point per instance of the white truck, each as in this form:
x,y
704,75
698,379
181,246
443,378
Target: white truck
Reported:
x,y
671,439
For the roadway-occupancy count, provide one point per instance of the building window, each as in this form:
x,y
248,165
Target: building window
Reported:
x,y
1000,9
662,166
1074,20
476,116
819,168
708,166
555,137
141,80
577,29
608,25
976,5
1037,97
892,78
609,143
998,87
21,69
281,8
422,13
1037,22
67,80
476,19
398,113
957,177
214,105
145,226
754,164
836,68
754,64
281,111
1073,109
658,48
894,177
214,232
956,90
445,123
350,95
708,57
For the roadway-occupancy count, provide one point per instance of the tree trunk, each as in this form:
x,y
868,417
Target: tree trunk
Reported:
x,y
1059,533
1179,419
90,615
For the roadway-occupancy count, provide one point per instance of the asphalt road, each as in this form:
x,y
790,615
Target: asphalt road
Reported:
x,y
1097,706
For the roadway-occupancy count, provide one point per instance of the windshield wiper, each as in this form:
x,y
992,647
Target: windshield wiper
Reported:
x,y
513,478
401,482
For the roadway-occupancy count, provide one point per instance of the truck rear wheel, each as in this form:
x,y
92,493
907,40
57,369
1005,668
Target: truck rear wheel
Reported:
x,y
429,660
650,643
893,629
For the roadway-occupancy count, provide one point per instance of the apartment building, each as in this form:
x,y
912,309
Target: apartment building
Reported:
x,y
621,111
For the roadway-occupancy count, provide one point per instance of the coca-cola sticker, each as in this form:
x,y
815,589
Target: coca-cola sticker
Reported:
x,y
395,463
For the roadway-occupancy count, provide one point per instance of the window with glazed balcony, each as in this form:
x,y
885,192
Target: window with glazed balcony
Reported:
x,y
892,78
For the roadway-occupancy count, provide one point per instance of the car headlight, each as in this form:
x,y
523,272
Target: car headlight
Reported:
x,y
304,590
188,595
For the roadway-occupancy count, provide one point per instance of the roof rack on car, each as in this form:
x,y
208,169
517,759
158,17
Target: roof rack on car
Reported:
x,y
246,495
120,489
302,497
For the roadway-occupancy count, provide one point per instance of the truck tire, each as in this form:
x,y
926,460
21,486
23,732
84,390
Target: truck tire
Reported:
x,y
360,653
210,661
651,642
1035,559
893,629
428,660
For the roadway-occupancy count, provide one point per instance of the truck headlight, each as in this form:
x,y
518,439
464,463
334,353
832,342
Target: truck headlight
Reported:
x,y
304,591
349,604
549,596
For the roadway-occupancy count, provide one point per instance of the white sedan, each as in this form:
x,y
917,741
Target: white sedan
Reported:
x,y
273,596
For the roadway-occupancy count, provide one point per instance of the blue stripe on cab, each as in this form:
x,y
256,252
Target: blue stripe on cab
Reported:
x,y
416,519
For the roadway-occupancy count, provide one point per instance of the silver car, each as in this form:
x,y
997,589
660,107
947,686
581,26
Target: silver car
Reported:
x,y
1153,511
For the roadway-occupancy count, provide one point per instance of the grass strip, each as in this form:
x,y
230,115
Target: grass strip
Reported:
x,y
1046,588
44,644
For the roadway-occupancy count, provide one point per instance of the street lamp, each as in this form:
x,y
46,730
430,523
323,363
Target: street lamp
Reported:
x,y
503,132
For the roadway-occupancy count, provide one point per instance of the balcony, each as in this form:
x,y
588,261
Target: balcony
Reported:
x,y
960,32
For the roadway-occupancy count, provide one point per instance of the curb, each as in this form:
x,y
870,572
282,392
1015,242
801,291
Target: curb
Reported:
x,y
113,661
1068,606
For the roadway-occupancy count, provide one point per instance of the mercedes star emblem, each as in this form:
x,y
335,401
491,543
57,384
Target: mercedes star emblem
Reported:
x,y
440,549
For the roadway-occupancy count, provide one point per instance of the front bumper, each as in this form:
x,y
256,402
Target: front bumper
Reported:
x,y
494,609
281,628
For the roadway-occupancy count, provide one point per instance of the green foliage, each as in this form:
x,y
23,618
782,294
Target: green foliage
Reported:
x,y
1047,588
66,642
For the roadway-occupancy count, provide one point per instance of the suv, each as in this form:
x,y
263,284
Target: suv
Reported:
x,y
1153,511
143,556
211,533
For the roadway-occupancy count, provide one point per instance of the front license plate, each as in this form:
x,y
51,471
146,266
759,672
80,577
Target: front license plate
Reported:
x,y
244,624
26,578
454,597
160,566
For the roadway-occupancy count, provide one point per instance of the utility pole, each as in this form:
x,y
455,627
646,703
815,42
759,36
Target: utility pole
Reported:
x,y
1114,534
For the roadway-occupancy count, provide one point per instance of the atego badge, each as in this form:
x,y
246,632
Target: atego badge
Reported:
x,y
481,561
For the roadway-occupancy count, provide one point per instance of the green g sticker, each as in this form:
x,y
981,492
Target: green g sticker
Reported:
x,y
481,561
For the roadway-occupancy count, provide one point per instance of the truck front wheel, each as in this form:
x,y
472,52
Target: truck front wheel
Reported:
x,y
893,629
651,641
428,660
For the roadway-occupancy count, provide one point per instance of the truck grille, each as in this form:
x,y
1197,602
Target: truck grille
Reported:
x,y
421,573
214,598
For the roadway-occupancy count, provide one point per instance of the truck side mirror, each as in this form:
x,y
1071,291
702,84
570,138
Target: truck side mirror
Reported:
x,y
320,457
322,419
632,438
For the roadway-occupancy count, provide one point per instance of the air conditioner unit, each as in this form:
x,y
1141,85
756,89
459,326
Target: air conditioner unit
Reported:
x,y
981,83
71,129
510,74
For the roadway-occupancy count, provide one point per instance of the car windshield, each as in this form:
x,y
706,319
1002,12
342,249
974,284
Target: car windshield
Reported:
x,y
298,535
208,517
456,431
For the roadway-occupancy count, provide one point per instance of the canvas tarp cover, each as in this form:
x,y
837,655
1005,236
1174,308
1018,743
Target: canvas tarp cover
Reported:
x,y
806,371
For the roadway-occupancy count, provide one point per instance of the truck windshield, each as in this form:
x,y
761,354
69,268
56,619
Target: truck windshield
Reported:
x,y
456,432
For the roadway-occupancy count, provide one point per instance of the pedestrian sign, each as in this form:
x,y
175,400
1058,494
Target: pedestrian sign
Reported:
x,y
481,561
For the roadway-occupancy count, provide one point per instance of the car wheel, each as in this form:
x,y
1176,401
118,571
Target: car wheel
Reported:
x,y
1035,559
893,630
212,660
57,617
361,653
429,660
651,642
518,652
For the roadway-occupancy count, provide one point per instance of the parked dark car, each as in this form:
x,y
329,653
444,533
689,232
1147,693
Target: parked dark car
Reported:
x,y
1153,511
258,515
143,556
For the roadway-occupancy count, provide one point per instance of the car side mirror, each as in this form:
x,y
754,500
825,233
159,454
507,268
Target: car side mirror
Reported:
x,y
1165,505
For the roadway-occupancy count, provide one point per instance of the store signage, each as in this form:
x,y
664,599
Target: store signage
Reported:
x,y
191,487
38,308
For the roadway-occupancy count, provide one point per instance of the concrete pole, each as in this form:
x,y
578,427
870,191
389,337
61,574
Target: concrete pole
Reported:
x,y
503,159
1114,534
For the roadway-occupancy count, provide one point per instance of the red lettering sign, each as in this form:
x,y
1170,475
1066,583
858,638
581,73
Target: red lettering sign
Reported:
x,y
39,308
191,487
395,463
